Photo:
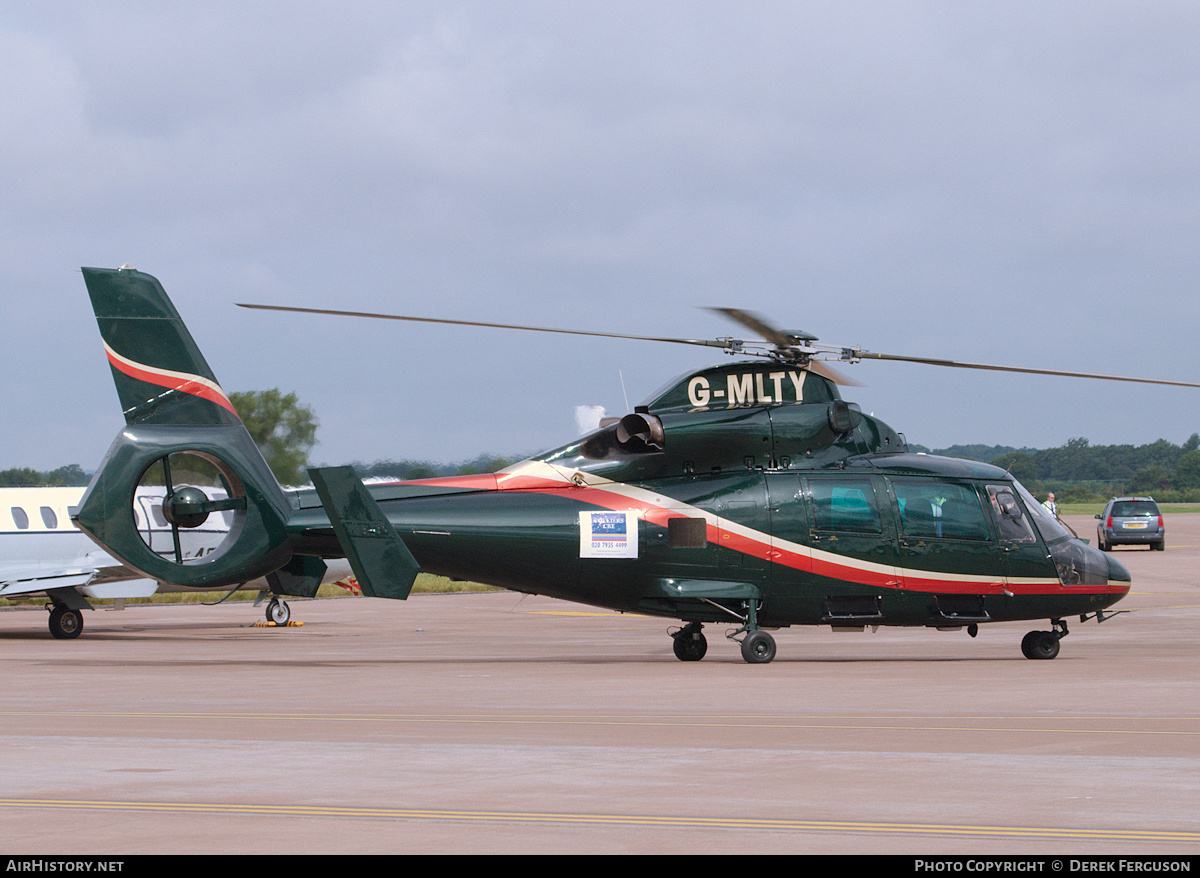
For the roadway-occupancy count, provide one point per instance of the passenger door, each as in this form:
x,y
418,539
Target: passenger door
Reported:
x,y
945,543
848,539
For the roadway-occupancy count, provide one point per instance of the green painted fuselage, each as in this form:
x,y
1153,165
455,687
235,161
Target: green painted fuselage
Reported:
x,y
755,502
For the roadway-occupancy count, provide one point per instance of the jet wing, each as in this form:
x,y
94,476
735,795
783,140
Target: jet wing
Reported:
x,y
38,578
93,582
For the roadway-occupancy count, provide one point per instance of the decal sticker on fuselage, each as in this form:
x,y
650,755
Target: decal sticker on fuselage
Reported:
x,y
608,535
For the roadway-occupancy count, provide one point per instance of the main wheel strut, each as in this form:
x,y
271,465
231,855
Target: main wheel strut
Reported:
x,y
758,647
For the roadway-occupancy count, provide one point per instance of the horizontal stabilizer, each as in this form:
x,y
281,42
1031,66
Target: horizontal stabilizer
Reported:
x,y
383,565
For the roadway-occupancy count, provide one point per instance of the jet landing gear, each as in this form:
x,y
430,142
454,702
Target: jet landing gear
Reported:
x,y
1044,644
65,623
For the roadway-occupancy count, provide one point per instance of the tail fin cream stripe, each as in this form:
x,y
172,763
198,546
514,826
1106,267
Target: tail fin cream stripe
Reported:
x,y
181,381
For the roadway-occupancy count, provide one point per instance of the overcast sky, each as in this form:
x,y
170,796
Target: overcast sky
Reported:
x,y
1013,183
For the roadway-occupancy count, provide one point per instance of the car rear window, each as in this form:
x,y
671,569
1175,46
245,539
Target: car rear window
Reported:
x,y
1134,508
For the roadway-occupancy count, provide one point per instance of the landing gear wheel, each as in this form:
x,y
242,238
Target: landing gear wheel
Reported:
x,y
690,645
758,647
65,623
278,612
1040,644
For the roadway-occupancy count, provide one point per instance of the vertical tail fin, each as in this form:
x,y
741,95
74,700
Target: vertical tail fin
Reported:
x,y
161,376
178,420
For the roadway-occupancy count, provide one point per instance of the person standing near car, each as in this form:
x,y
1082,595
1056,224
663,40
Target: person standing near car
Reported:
x,y
1050,505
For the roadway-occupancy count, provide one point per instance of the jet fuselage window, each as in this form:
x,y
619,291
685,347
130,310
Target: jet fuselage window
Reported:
x,y
20,519
49,518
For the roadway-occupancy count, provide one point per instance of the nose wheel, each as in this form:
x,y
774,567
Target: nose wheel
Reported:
x,y
1044,644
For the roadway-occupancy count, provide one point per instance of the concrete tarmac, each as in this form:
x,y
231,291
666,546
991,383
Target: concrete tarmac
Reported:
x,y
496,724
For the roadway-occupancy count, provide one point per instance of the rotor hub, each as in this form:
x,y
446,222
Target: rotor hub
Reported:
x,y
187,507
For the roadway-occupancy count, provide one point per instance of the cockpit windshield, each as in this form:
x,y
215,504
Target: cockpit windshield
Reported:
x,y
1048,526
1077,563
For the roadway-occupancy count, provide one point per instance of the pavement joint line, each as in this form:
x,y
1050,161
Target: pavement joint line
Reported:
x,y
751,823
795,723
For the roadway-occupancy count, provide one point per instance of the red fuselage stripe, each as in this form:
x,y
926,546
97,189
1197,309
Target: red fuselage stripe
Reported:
x,y
758,546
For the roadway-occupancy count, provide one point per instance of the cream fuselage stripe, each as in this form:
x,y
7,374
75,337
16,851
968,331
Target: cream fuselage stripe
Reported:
x,y
658,509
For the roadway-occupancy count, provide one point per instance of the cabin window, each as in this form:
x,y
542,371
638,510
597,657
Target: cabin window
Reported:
x,y
49,518
940,510
20,519
844,504
687,533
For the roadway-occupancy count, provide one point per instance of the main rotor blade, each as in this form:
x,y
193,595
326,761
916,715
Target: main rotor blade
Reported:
x,y
832,374
712,343
756,324
928,361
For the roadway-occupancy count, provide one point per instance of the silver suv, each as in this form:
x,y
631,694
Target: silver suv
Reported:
x,y
1131,520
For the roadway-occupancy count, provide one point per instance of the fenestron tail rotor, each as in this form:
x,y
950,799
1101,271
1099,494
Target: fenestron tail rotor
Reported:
x,y
193,489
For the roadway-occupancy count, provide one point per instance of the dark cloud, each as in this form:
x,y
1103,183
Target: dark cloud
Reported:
x,y
1005,183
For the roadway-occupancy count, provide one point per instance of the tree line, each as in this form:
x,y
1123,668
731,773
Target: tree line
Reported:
x,y
1078,471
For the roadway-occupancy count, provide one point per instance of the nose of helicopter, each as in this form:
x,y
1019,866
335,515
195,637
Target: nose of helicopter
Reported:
x,y
1119,579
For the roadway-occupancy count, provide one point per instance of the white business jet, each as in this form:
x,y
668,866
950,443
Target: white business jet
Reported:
x,y
42,552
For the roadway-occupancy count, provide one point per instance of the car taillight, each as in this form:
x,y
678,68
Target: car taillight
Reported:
x,y
1109,522
1160,524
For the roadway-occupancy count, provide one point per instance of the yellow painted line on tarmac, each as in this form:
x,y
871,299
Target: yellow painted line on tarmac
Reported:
x,y
640,820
